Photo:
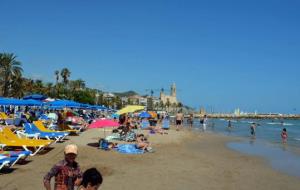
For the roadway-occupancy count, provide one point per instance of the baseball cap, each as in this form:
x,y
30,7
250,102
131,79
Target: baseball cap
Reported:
x,y
71,148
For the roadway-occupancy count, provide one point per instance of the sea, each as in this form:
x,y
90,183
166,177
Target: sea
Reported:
x,y
284,157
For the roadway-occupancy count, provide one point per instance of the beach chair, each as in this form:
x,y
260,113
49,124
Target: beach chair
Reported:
x,y
165,124
145,124
65,127
33,130
6,161
10,135
16,154
10,141
3,116
40,125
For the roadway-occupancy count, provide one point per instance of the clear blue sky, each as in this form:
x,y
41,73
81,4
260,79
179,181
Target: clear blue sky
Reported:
x,y
221,54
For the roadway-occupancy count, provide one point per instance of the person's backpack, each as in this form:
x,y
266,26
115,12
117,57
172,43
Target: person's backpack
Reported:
x,y
202,121
103,144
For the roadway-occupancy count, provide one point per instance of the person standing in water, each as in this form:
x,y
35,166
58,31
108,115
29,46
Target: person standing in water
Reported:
x,y
229,124
284,135
253,129
204,123
190,120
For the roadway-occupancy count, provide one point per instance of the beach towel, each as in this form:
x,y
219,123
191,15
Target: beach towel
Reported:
x,y
114,136
129,149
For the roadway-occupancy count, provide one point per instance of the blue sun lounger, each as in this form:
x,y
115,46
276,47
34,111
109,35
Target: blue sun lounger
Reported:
x,y
6,161
29,129
16,154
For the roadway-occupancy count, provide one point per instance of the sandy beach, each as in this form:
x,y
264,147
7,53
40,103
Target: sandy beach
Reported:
x,y
182,160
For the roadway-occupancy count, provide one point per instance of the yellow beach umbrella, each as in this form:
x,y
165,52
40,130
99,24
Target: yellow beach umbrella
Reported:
x,y
130,109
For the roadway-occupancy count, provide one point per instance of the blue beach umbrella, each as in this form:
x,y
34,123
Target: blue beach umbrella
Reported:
x,y
35,97
144,115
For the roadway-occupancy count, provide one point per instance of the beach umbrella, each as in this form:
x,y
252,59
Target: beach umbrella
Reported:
x,y
130,109
153,114
103,123
144,115
35,97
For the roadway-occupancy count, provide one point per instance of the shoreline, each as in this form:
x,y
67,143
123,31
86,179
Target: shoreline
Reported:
x,y
182,160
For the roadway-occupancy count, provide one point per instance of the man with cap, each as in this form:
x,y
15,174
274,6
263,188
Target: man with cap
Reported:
x,y
67,172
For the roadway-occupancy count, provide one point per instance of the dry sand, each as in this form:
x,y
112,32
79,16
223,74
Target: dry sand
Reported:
x,y
183,160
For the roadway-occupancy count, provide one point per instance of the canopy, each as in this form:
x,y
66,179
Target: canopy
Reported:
x,y
130,109
103,123
35,97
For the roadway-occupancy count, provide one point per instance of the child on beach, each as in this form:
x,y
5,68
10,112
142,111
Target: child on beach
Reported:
x,y
284,135
91,180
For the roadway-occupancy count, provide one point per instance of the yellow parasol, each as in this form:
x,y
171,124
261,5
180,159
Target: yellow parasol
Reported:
x,y
130,109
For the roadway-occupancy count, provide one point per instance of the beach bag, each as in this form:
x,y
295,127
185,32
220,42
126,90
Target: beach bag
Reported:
x,y
103,144
202,121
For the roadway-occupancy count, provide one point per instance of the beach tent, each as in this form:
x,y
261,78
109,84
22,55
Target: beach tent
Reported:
x,y
130,109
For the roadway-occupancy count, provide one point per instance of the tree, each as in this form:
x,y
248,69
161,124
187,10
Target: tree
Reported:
x,y
65,74
17,86
38,86
9,67
168,103
56,85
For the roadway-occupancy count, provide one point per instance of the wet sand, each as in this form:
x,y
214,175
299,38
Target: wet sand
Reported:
x,y
182,160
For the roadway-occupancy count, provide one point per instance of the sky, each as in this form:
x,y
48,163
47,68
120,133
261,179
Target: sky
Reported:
x,y
221,54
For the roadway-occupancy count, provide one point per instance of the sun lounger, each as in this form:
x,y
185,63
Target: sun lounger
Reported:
x,y
6,161
39,124
16,154
32,129
8,141
9,134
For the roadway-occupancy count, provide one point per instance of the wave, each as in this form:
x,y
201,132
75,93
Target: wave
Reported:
x,y
285,124
297,139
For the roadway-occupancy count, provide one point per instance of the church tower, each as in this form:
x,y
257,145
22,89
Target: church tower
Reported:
x,y
173,90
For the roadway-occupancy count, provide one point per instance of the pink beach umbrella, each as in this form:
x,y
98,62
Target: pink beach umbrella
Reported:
x,y
103,123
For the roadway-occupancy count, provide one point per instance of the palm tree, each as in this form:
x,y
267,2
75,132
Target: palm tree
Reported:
x,y
9,67
65,74
49,89
38,86
17,86
56,73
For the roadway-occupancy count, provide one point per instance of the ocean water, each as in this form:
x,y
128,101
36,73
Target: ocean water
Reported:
x,y
267,142
267,130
